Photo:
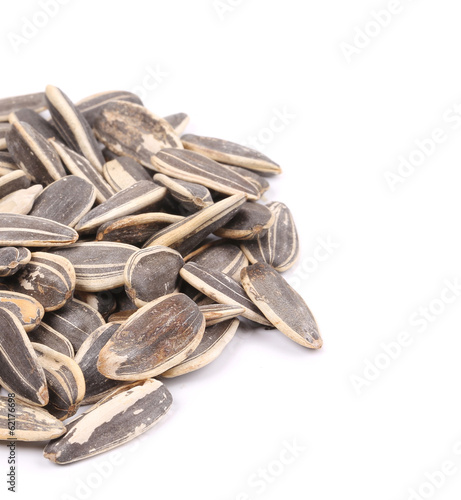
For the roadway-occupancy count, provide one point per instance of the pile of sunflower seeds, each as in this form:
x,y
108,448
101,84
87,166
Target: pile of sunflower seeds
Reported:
x,y
128,251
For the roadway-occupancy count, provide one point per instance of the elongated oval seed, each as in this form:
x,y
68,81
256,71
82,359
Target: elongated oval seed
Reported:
x,y
154,339
281,304
66,384
20,372
21,201
115,421
13,181
123,172
43,127
28,310
8,105
12,259
30,423
217,313
51,338
261,184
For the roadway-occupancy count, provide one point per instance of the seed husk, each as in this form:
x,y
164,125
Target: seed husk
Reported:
x,y
65,201
78,165
154,339
31,423
279,247
178,121
135,229
103,302
7,164
151,273
281,304
20,201
20,372
123,172
27,309
185,235
12,259
98,265
111,423
33,154
37,122
135,198
48,278
131,130
51,338
217,313
66,384
193,167
9,105
73,127
230,152
214,340
29,231
222,289
261,184
12,182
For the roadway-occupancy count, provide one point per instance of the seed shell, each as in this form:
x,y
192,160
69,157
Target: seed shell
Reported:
x,y
37,122
123,172
13,181
51,338
261,184
103,302
7,164
9,105
178,121
28,310
217,313
20,201
11,260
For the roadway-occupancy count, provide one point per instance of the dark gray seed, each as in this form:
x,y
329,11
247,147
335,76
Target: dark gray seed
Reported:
x,y
178,121
133,199
185,235
7,164
98,265
28,310
103,302
29,231
229,152
20,372
111,423
151,273
281,304
78,165
135,229
124,302
193,167
8,105
31,423
37,122
73,127
214,340
222,289
131,130
34,154
48,278
124,172
154,339
279,247
51,338
75,321
12,182
217,313
261,184
66,384
20,201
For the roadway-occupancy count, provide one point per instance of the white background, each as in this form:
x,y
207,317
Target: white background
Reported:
x,y
392,252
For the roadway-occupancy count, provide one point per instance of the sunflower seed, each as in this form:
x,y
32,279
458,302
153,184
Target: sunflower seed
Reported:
x,y
20,201
12,259
98,266
65,201
131,130
12,182
193,167
29,231
154,339
137,197
20,372
151,273
178,121
43,127
213,343
229,152
222,289
49,337
8,165
113,422
31,423
135,229
66,384
185,235
217,313
9,105
28,310
73,127
34,154
281,304
279,247
103,302
261,184
124,172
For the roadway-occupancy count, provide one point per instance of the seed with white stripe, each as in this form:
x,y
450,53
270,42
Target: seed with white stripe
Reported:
x,y
123,172
8,105
13,181
12,259
217,313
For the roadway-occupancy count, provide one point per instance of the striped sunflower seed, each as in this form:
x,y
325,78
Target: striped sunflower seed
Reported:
x,y
51,338
151,273
217,313
31,423
154,339
178,121
20,372
12,259
112,423
193,167
281,304
12,182
229,152
73,127
103,302
43,127
48,278
261,184
131,130
9,105
28,310
65,201
66,384
34,154
279,247
20,201
98,265
29,231
213,343
123,172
